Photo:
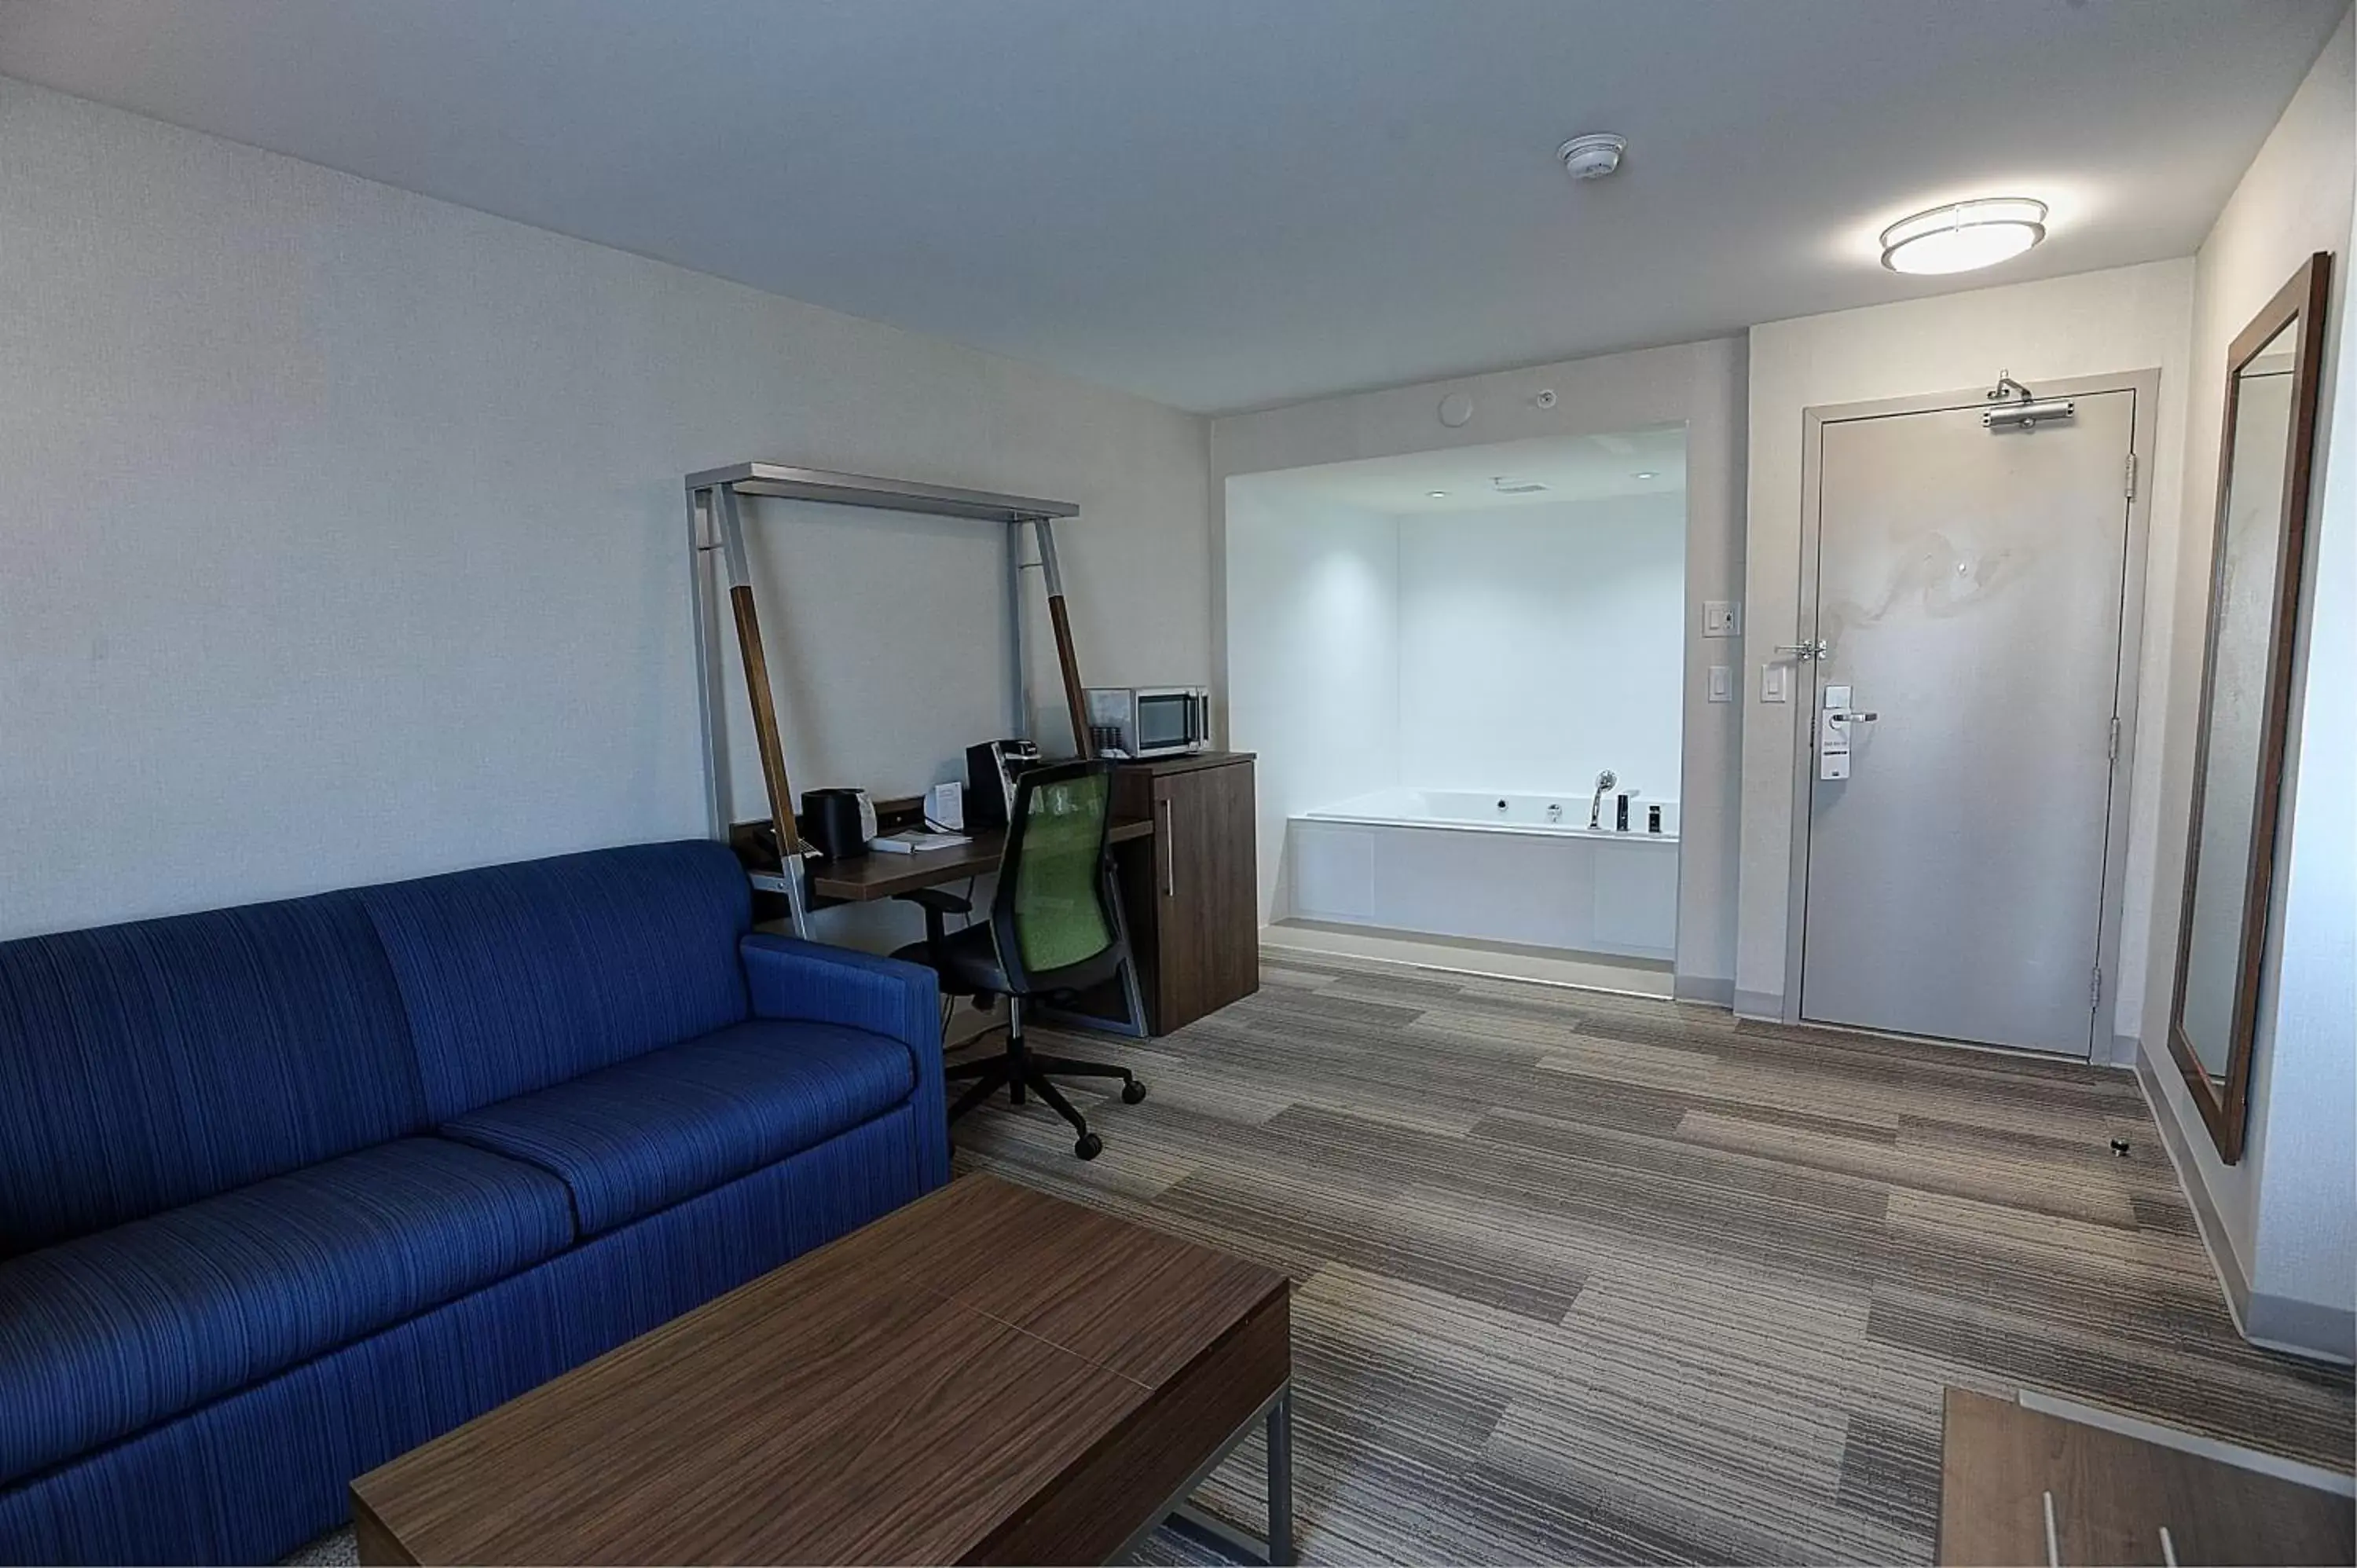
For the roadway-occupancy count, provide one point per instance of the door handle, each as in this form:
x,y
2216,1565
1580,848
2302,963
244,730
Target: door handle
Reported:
x,y
1853,718
1170,854
1805,652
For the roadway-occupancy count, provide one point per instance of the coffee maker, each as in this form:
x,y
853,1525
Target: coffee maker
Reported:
x,y
991,769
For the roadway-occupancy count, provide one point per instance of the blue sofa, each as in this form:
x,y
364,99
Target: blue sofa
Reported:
x,y
285,1190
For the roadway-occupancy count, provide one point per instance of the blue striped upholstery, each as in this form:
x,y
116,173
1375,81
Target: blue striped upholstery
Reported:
x,y
232,1277
790,979
644,1134
103,1335
148,1064
249,1477
516,977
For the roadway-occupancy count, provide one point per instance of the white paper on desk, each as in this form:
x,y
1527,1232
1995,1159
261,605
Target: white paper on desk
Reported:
x,y
912,842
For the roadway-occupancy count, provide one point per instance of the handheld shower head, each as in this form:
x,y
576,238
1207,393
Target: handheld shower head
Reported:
x,y
1604,781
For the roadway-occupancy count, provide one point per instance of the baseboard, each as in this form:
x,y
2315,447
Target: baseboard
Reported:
x,y
2308,1328
1767,1006
2206,1222
1702,988
1496,960
2126,1049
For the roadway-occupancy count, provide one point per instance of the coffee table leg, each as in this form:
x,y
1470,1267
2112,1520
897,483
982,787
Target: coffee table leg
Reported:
x,y
1207,1529
1280,1480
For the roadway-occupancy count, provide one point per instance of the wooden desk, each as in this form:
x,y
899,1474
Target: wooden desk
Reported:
x,y
874,876
988,1375
1185,863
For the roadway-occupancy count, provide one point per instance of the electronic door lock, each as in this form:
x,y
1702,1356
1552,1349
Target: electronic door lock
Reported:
x,y
1832,732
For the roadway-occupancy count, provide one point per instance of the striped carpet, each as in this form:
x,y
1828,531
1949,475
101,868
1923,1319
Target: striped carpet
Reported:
x,y
1602,1279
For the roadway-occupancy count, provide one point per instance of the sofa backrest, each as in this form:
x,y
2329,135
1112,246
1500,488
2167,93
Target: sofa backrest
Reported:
x,y
515,977
145,1065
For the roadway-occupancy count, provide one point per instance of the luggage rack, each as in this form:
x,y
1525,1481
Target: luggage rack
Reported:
x,y
716,537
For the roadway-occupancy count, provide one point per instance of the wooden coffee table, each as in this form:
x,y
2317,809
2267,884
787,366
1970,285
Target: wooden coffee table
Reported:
x,y
989,1375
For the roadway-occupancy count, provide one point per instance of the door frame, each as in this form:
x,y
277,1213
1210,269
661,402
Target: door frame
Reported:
x,y
2145,385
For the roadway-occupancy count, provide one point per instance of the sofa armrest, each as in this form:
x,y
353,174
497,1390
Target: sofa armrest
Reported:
x,y
788,978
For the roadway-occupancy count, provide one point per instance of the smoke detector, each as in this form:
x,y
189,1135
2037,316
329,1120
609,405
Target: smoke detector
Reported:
x,y
1592,158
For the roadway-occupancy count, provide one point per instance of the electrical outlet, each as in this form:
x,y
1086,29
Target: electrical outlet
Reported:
x,y
1722,618
1722,683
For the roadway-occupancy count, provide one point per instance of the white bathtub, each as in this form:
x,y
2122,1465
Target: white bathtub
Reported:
x,y
1518,868
1509,813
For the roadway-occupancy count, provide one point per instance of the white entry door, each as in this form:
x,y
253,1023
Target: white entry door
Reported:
x,y
1967,631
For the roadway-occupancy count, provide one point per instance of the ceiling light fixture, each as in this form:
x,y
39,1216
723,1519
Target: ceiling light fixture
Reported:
x,y
1964,235
1645,474
1436,494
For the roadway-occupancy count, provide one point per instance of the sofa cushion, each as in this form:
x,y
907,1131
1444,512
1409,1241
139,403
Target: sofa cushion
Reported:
x,y
104,1336
145,1066
520,976
659,1128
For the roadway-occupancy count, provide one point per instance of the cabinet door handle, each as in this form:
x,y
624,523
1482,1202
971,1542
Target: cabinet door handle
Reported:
x,y
1170,854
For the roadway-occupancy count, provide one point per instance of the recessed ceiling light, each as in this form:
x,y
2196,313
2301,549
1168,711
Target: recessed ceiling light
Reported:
x,y
1964,235
1438,495
1645,474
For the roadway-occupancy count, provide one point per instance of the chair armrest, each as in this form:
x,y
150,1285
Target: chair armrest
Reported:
x,y
789,979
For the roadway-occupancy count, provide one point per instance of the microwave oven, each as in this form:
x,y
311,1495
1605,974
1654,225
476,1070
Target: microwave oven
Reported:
x,y
1149,721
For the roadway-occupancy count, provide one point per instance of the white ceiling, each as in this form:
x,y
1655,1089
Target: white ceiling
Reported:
x,y
1233,203
1572,468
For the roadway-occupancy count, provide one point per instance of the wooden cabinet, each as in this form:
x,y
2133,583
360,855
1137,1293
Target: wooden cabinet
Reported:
x,y
1191,892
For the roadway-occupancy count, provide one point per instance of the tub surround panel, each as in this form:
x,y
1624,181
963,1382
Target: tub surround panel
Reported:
x,y
1533,637
1563,888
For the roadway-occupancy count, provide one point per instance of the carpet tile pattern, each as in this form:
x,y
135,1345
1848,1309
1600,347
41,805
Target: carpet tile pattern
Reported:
x,y
1583,1277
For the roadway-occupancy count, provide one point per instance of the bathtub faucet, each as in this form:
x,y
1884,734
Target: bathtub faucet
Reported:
x,y
1604,781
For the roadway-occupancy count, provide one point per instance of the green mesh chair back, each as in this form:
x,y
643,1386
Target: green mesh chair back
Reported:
x,y
1051,914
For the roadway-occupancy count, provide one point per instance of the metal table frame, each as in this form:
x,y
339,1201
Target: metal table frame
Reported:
x,y
715,529
1208,1528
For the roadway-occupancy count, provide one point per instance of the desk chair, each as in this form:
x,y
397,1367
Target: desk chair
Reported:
x,y
1053,931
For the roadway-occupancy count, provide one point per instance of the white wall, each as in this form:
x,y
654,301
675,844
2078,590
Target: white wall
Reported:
x,y
1700,385
1539,644
342,533
2131,318
2282,1218
1313,658
2304,1248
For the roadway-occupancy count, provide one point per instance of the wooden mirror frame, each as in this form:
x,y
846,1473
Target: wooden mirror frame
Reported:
x,y
2301,299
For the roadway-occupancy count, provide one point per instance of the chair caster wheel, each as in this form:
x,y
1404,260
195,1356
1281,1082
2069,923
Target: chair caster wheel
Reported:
x,y
1089,1146
1132,1092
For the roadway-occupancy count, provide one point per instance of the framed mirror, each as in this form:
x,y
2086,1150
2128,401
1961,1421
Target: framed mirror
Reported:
x,y
2264,454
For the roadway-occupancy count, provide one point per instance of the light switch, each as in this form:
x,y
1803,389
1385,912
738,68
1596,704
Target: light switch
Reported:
x,y
1775,683
1722,618
1722,683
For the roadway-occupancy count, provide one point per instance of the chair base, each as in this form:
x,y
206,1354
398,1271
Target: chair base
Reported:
x,y
1018,1069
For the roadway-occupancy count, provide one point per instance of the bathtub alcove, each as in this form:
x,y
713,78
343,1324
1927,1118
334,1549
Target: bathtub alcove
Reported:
x,y
1433,658
1523,869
